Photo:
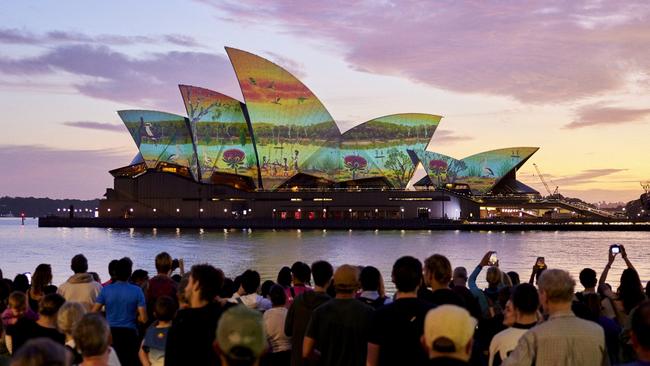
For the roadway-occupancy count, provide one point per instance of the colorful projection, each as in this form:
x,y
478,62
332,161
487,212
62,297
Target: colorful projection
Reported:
x,y
480,171
221,133
290,124
160,137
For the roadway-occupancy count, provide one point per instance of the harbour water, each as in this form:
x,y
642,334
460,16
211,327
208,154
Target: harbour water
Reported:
x,y
22,248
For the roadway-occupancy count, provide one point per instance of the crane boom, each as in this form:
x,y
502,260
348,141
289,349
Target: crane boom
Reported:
x,y
541,177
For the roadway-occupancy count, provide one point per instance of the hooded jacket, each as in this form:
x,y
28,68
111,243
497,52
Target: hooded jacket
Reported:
x,y
80,287
298,317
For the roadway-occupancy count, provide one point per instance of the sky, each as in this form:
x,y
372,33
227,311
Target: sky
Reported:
x,y
570,77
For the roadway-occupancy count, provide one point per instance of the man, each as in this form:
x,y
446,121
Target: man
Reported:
x,y
161,284
190,338
459,286
240,339
339,328
525,303
125,307
563,339
640,335
92,337
303,305
247,292
437,275
588,280
80,287
396,328
448,331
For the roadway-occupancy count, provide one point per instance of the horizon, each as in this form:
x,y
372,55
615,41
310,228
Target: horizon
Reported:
x,y
571,79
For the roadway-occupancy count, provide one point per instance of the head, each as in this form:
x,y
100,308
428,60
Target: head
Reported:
x,y
163,263
139,277
69,316
493,276
630,289
266,287
250,281
514,278
92,335
641,331
123,269
21,283
41,352
406,274
17,302
277,295
588,278
227,289
437,271
301,273
112,268
459,277
448,332
525,299
42,277
79,264
95,276
370,278
284,277
49,305
240,338
556,287
346,279
204,283
322,272
165,308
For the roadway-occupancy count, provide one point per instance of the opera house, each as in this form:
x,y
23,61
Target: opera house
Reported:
x,y
279,154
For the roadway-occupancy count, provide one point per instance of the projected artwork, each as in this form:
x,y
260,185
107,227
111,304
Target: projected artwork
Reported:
x,y
221,133
480,171
290,124
160,136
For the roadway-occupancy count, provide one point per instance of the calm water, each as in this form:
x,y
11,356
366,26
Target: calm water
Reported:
x,y
22,248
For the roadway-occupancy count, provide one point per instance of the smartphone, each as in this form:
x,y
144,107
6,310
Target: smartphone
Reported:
x,y
493,259
615,248
540,262
29,277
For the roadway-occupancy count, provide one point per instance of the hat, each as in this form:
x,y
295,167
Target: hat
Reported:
x,y
448,328
346,277
240,333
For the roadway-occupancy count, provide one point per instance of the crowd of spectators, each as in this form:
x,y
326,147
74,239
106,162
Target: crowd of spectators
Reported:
x,y
321,315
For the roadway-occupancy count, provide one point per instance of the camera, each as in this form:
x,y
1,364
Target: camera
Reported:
x,y
615,248
175,264
493,259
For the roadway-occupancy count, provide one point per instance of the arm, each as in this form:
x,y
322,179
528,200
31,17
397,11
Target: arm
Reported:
x,y
181,266
373,355
308,348
142,314
144,359
603,276
471,281
96,308
627,261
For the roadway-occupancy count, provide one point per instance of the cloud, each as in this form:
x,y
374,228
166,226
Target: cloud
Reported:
x,y
22,37
149,82
102,126
599,114
586,176
42,171
528,50
448,137
295,68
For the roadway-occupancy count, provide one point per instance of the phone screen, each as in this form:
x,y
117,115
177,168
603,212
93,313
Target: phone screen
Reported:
x,y
616,249
493,259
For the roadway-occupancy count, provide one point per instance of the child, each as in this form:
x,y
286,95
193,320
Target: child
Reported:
x,y
16,309
152,350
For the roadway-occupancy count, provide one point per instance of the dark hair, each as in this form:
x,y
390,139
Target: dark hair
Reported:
x,y
21,283
50,304
588,278
266,287
525,298
209,279
112,268
323,272
301,272
407,273
227,289
630,290
123,269
42,277
647,289
79,264
641,324
284,277
514,278
41,351
370,278
250,281
139,275
439,266
95,276
277,295
163,262
165,308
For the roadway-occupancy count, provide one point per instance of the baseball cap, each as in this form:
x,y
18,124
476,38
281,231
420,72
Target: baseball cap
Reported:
x,y
448,328
240,333
346,277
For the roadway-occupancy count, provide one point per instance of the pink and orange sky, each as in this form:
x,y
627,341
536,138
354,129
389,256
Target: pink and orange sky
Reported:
x,y
570,77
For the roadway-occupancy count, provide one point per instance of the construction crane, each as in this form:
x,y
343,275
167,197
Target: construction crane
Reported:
x,y
541,177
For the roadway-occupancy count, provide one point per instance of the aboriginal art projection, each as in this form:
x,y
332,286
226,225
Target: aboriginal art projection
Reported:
x,y
290,124
221,133
481,171
160,137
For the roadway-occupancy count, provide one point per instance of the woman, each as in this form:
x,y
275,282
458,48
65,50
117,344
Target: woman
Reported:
x,y
41,279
